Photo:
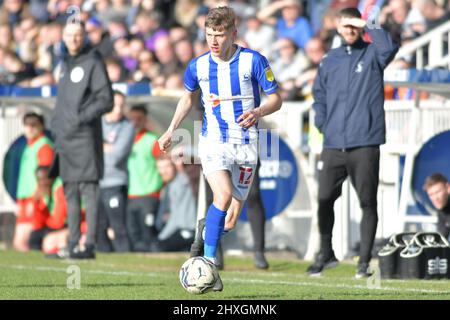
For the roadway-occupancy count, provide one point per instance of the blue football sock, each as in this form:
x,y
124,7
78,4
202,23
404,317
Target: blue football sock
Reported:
x,y
214,225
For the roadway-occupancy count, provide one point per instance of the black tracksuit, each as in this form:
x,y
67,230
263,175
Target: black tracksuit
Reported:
x,y
444,220
84,95
349,105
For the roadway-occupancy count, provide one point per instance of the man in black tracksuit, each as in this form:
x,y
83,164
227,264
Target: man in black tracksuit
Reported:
x,y
437,188
84,95
349,98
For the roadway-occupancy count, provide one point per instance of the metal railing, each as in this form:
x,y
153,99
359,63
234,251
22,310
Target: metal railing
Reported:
x,y
432,43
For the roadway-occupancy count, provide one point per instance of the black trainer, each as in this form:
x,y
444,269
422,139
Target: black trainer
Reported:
x,y
260,260
362,271
321,263
198,244
218,285
220,264
87,253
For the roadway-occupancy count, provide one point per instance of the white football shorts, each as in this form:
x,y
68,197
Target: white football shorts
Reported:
x,y
239,159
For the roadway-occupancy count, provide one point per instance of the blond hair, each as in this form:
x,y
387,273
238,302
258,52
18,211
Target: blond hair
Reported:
x,y
221,18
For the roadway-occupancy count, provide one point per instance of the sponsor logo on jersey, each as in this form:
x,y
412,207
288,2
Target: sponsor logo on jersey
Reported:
x,y
269,74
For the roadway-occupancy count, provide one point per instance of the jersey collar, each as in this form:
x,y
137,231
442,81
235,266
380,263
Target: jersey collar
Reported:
x,y
236,53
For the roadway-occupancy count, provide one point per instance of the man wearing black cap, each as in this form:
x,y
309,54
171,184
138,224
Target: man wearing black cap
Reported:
x,y
349,99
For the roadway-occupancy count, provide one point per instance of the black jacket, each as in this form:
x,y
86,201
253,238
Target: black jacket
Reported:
x,y
444,220
349,92
84,95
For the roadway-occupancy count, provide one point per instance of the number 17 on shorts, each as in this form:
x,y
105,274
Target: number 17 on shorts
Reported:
x,y
242,177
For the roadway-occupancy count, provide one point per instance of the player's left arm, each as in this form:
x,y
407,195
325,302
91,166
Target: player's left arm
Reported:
x,y
262,72
251,117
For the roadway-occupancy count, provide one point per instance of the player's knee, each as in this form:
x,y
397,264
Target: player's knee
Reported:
x,y
223,200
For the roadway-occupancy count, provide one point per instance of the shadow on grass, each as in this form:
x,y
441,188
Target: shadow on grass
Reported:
x,y
285,266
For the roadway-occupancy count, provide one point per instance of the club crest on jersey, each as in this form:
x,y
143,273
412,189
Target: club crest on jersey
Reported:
x,y
269,74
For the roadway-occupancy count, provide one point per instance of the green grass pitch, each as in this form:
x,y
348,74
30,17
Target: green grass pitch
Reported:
x,y
155,276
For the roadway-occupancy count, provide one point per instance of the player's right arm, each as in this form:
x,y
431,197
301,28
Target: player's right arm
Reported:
x,y
183,107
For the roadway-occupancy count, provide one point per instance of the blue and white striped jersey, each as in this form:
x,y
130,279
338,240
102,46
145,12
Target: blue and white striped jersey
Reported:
x,y
228,89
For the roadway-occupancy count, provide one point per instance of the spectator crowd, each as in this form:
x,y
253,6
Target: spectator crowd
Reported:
x,y
151,41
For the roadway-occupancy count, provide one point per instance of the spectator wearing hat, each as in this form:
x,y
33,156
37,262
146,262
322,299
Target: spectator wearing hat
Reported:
x,y
99,38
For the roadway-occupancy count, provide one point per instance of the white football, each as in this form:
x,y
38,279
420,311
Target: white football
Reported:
x,y
198,275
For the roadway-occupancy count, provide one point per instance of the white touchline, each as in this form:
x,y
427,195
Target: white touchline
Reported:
x,y
306,276
236,280
337,285
104,272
